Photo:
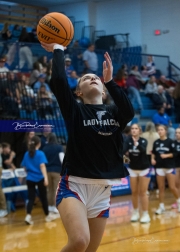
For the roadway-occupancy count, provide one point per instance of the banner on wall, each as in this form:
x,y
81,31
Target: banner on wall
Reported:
x,y
122,188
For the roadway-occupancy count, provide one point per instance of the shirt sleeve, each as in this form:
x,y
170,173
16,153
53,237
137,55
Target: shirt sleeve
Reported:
x,y
60,87
85,56
124,107
153,150
142,145
42,158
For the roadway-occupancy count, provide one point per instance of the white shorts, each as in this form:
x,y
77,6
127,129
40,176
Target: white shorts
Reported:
x,y
140,173
96,198
163,171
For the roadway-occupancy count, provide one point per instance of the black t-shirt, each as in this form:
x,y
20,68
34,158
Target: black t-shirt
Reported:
x,y
137,154
164,147
177,154
4,158
95,143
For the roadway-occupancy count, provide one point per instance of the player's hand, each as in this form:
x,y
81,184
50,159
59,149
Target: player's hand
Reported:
x,y
163,156
49,47
107,68
153,161
45,181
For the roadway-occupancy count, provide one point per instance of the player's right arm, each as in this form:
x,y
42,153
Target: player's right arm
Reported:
x,y
58,83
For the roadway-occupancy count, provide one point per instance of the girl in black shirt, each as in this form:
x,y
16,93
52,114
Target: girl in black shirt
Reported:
x,y
163,159
177,162
94,158
139,172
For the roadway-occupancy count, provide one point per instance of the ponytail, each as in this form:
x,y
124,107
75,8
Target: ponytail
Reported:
x,y
32,145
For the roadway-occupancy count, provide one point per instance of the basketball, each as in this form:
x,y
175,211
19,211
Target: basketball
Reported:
x,y
55,28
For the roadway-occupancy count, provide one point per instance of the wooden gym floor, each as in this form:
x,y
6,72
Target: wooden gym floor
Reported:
x,y
162,234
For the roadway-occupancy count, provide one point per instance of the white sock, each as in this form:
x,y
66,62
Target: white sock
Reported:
x,y
145,212
28,215
136,210
161,205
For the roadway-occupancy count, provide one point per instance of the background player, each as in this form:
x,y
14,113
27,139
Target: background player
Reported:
x,y
162,159
139,172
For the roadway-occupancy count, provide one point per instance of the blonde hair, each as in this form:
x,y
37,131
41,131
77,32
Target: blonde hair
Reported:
x,y
150,127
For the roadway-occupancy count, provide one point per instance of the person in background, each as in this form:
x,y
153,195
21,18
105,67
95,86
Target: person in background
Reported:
x,y
163,160
34,162
55,155
144,73
46,131
90,60
25,53
121,77
44,102
163,82
3,68
176,96
177,162
27,140
139,170
150,66
16,32
162,118
73,81
33,36
3,206
76,55
5,35
37,70
40,82
134,71
8,157
68,67
151,87
170,101
150,135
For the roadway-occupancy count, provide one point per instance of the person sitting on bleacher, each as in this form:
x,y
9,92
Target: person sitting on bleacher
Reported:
x,y
3,206
159,98
162,118
151,87
44,101
16,33
134,71
8,156
163,82
40,82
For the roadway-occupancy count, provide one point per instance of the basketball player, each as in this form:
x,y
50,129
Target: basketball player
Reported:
x,y
163,159
94,159
177,162
139,172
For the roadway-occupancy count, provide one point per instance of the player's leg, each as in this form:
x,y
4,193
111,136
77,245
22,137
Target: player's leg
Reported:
x,y
178,179
134,190
161,187
74,217
143,187
171,178
31,199
96,227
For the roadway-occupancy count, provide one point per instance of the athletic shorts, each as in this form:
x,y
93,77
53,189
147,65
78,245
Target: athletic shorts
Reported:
x,y
140,173
96,198
163,171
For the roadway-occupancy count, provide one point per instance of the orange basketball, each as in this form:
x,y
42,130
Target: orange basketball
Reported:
x,y
55,28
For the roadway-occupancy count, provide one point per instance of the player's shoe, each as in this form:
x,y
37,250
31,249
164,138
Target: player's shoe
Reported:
x,y
145,218
135,216
3,213
50,217
160,210
28,220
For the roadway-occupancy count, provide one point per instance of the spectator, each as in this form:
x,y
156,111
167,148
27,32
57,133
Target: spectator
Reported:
x,y
43,60
35,73
25,54
170,101
55,155
163,82
144,73
27,95
73,80
16,32
26,141
44,137
159,98
5,35
133,90
134,71
3,206
44,100
34,162
68,67
121,77
76,55
176,96
40,82
3,68
150,135
150,66
162,118
90,60
33,36
151,87
7,156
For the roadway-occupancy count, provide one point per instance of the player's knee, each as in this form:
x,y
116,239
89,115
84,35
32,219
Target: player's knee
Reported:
x,y
172,188
134,192
142,193
81,243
